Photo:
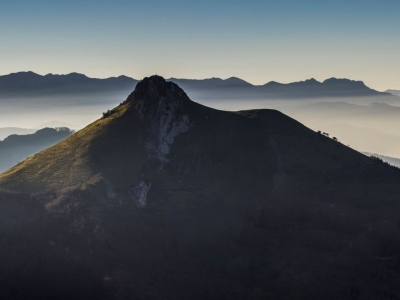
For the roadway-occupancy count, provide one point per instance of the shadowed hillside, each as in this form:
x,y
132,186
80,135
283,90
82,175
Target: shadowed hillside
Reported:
x,y
163,198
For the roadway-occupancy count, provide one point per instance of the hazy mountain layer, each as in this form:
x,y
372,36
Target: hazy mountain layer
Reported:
x,y
15,148
29,84
79,100
235,88
394,92
55,124
163,198
6,131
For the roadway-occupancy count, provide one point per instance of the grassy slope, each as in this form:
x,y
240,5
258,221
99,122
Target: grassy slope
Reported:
x,y
63,165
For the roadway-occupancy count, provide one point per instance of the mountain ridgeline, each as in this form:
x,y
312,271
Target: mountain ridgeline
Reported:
x,y
235,88
32,85
163,198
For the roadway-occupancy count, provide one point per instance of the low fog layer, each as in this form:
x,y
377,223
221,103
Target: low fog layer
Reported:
x,y
77,111
369,127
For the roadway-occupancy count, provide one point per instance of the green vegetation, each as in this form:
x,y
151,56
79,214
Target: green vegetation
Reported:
x,y
66,164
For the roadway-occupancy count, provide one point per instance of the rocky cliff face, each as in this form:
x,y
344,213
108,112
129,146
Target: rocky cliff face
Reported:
x,y
160,106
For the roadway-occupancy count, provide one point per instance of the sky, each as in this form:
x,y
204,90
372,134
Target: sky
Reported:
x,y
258,41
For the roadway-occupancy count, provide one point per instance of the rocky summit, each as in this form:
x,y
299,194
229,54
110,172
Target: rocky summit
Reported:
x,y
163,198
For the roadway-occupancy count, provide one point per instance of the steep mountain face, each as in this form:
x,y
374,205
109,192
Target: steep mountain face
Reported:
x,y
15,148
165,198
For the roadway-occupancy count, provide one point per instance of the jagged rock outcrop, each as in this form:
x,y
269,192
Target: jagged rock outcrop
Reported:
x,y
160,106
139,193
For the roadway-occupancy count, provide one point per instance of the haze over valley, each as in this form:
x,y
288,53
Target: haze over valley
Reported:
x,y
357,115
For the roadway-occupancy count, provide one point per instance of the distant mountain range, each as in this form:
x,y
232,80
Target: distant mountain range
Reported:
x,y
29,84
235,88
15,148
7,131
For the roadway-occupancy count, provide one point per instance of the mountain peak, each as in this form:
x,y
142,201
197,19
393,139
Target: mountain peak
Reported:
x,y
343,81
312,80
160,106
156,89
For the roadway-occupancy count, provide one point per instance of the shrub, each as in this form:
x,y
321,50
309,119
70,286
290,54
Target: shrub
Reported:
x,y
108,113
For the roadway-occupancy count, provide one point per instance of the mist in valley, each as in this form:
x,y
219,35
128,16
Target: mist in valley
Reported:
x,y
366,124
76,110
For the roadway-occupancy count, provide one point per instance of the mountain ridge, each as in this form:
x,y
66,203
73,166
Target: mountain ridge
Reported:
x,y
25,83
30,84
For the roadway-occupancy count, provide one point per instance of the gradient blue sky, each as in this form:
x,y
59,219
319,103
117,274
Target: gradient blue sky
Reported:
x,y
258,41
